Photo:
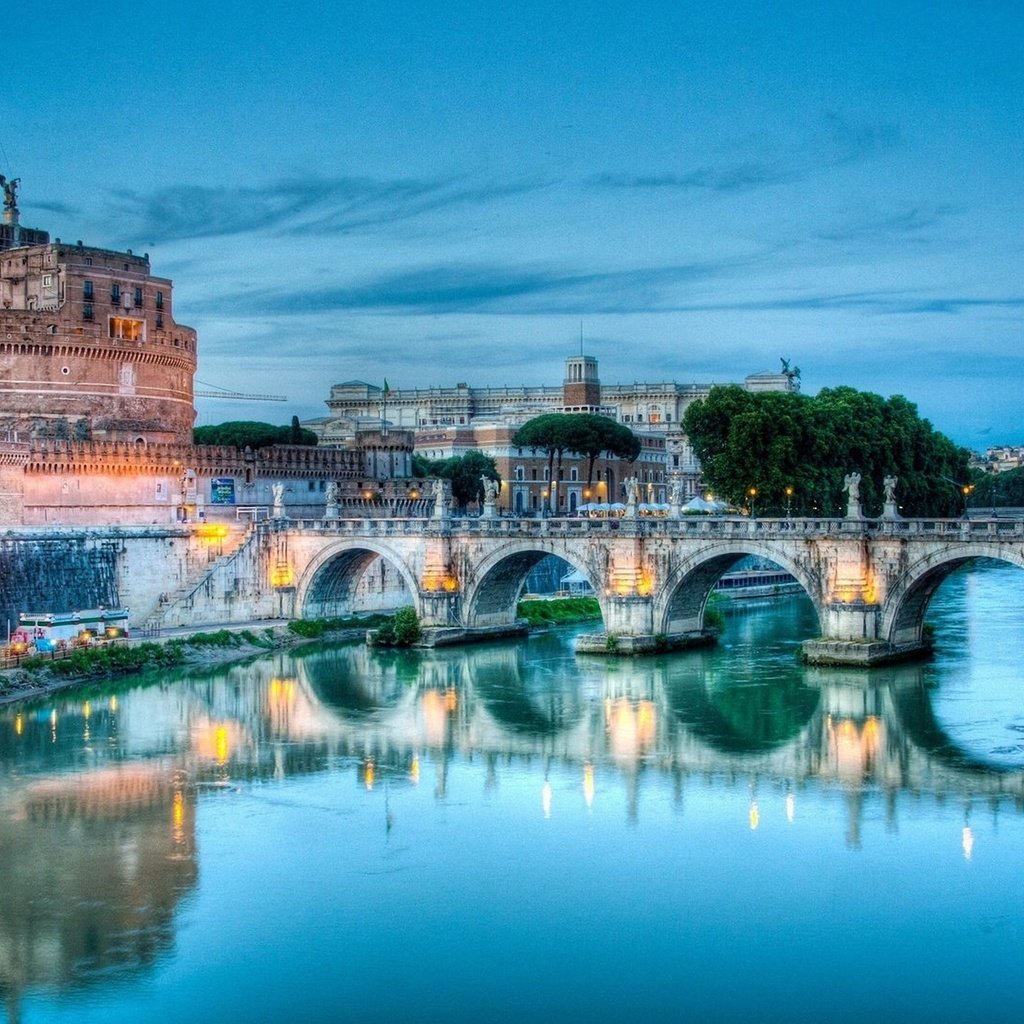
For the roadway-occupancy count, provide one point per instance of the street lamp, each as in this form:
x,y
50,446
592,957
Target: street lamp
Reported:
x,y
752,495
789,501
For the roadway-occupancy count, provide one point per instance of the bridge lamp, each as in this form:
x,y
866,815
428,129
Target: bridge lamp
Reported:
x,y
789,501
752,494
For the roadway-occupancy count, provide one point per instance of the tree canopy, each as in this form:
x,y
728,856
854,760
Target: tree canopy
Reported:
x,y
585,433
252,434
465,472
997,489
772,440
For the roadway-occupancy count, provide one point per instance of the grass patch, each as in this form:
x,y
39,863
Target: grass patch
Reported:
x,y
559,611
311,629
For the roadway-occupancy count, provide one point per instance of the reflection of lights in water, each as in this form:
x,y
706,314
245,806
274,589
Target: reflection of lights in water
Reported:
x,y
19,725
53,726
545,799
369,774
855,748
631,727
414,770
178,816
967,842
434,717
588,783
86,709
790,807
754,815
451,699
113,704
215,741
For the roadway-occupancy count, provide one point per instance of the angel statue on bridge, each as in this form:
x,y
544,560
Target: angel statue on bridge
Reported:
x,y
852,484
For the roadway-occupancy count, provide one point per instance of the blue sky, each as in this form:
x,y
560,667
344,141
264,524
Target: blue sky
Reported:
x,y
444,192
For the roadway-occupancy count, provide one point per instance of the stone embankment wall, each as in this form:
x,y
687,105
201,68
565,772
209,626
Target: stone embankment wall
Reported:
x,y
144,569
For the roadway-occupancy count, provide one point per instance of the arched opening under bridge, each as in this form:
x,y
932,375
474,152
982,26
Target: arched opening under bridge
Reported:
x,y
354,579
724,581
501,583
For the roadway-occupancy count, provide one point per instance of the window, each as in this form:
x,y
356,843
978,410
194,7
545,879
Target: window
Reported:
x,y
87,292
138,296
126,329
115,293
574,474
47,280
159,300
159,319
87,311
520,473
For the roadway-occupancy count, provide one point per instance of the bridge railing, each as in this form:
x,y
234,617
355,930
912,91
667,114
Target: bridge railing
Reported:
x,y
689,526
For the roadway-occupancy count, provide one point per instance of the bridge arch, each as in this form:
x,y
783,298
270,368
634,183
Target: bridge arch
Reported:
x,y
907,600
679,604
328,585
497,582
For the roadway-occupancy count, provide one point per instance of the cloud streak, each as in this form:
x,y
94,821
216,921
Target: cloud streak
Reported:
x,y
318,206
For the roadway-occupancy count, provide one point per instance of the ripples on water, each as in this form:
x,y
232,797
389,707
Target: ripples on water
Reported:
x,y
511,833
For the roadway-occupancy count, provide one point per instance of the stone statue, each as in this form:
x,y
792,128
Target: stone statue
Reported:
x,y
889,483
278,492
10,192
490,490
632,486
331,497
676,492
852,484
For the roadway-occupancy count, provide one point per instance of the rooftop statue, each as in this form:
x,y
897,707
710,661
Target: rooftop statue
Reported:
x,y
10,192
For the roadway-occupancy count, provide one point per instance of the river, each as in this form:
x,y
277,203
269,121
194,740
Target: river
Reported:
x,y
511,833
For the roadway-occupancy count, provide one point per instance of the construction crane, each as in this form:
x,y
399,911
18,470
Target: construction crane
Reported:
x,y
216,392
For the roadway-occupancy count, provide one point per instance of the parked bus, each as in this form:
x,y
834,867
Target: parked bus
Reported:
x,y
51,631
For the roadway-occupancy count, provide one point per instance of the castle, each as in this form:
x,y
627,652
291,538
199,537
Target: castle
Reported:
x,y
97,403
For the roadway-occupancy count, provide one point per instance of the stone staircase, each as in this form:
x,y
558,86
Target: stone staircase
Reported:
x,y
196,577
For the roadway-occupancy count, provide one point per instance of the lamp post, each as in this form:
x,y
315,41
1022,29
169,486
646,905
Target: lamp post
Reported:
x,y
966,490
752,495
789,501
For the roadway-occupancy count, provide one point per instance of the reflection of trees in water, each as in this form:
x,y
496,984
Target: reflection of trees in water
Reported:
x,y
359,682
741,713
528,695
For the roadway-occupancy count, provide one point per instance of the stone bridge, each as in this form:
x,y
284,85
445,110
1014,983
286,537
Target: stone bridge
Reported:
x,y
870,580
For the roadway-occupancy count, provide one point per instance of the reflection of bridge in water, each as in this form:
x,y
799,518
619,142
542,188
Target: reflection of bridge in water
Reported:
x,y
98,795
869,580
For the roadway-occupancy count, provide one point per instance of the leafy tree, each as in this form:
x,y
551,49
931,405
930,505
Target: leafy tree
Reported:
x,y
420,465
772,441
997,490
585,433
465,472
252,434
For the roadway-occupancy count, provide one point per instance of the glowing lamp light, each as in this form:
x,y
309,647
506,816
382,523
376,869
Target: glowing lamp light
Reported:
x,y
282,575
754,816
211,531
449,583
967,842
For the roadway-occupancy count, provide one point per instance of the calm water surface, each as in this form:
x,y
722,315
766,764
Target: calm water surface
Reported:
x,y
509,833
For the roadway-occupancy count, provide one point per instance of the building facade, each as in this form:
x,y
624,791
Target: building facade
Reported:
x,y
450,421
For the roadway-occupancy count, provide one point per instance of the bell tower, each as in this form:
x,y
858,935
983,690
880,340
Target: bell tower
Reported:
x,y
581,390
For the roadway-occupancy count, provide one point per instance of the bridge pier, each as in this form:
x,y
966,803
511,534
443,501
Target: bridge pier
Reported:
x,y
851,636
629,629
